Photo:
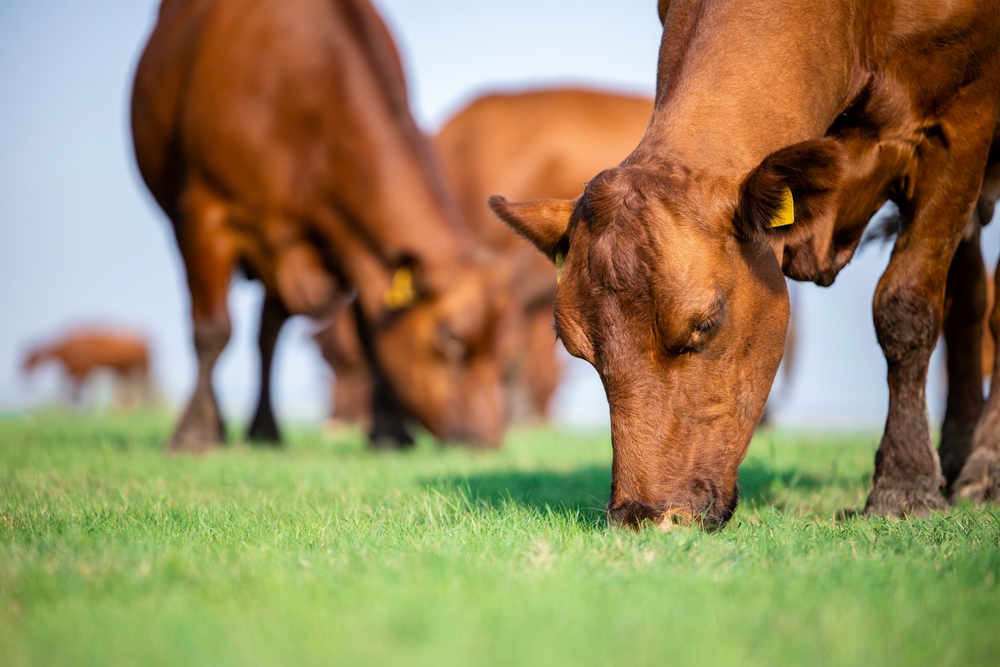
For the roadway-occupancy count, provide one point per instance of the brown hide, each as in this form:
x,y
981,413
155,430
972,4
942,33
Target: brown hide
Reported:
x,y
276,135
672,286
545,143
81,352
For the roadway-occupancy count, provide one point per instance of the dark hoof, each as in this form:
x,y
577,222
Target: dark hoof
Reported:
x,y
980,478
264,432
390,437
387,443
893,498
847,513
199,430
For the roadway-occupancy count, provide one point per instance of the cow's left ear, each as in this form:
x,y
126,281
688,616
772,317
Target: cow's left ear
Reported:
x,y
791,188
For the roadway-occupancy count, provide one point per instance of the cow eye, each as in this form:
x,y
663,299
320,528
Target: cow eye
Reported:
x,y
706,326
703,330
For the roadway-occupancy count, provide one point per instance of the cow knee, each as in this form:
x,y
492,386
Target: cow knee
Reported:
x,y
907,324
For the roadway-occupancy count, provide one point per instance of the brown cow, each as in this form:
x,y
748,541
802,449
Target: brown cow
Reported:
x,y
544,143
780,126
83,352
277,137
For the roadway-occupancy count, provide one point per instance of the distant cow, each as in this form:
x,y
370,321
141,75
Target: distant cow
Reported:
x,y
544,143
83,352
277,137
780,127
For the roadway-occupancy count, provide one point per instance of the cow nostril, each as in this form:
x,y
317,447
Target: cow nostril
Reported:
x,y
632,514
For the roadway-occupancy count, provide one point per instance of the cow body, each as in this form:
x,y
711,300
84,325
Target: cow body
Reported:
x,y
779,128
544,143
83,352
277,137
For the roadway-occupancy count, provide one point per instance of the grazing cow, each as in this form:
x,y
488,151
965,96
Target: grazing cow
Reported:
x,y
544,143
277,137
82,352
779,128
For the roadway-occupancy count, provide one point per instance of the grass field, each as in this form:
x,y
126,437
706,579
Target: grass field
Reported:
x,y
113,554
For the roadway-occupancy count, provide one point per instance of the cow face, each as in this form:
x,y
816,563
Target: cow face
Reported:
x,y
670,288
443,351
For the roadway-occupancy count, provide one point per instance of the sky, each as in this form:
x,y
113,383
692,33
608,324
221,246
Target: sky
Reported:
x,y
82,242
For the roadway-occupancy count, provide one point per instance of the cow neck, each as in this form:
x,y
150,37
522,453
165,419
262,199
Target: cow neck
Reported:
x,y
407,215
414,223
737,81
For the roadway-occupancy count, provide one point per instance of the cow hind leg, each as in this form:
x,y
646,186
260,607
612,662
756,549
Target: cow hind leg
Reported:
x,y
979,479
208,249
909,305
264,428
965,302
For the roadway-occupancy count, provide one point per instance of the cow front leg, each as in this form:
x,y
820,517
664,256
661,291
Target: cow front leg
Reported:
x,y
909,304
264,427
965,303
388,428
388,418
208,250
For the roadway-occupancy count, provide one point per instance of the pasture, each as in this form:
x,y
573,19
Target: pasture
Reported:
x,y
112,553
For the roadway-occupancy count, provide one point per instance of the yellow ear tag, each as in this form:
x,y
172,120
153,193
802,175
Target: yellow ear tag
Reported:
x,y
786,212
560,266
400,293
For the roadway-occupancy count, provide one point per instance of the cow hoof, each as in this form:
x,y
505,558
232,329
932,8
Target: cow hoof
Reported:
x,y
387,443
264,432
199,430
390,436
898,500
846,514
980,478
188,441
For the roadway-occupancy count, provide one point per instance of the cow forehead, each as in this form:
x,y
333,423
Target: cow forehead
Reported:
x,y
645,248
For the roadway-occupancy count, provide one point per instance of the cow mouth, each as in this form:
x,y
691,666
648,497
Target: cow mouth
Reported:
x,y
668,516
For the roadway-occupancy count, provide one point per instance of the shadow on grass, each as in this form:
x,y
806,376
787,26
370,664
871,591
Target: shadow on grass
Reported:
x,y
761,484
582,493
579,493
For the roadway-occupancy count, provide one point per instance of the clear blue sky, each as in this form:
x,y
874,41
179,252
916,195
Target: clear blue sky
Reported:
x,y
82,242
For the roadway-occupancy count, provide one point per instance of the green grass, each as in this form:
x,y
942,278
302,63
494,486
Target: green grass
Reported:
x,y
112,553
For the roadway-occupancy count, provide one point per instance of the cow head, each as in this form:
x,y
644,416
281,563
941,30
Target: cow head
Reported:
x,y
669,286
443,344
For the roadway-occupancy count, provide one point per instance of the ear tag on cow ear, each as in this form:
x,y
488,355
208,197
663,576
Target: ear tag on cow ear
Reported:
x,y
400,293
560,261
786,212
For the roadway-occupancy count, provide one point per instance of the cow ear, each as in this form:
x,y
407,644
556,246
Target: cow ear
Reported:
x,y
661,9
790,189
542,221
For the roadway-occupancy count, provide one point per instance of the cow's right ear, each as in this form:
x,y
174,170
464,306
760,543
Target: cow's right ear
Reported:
x,y
790,189
661,9
542,221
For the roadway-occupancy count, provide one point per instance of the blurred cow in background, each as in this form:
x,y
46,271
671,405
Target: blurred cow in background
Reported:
x,y
83,353
544,143
539,144
277,137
